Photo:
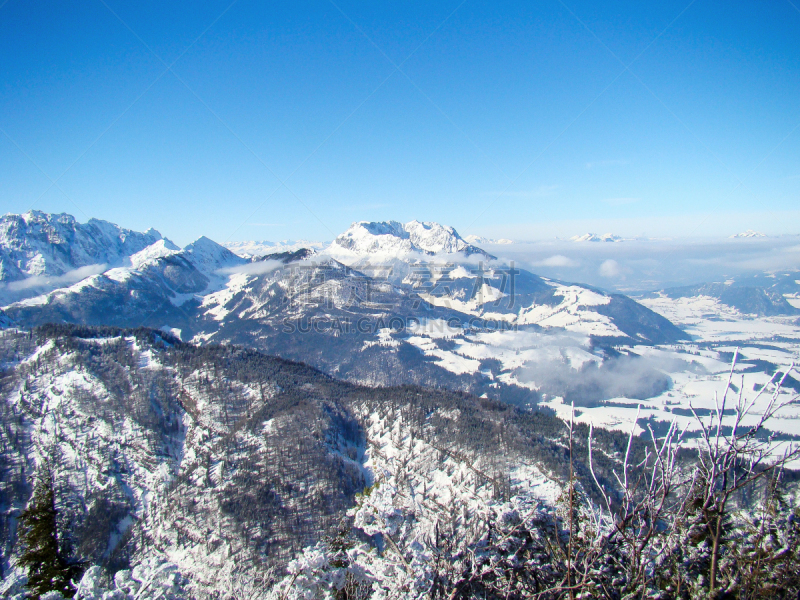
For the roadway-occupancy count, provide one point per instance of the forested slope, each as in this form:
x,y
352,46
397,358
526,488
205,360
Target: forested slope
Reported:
x,y
219,455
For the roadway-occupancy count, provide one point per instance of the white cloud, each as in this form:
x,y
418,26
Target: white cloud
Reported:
x,y
610,268
49,281
557,260
254,268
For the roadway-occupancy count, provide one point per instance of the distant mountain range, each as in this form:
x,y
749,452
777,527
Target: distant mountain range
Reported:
x,y
594,237
749,234
384,303
763,295
477,239
257,249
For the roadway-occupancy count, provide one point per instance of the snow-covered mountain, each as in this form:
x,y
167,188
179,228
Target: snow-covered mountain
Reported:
x,y
749,234
594,237
255,249
218,459
477,239
416,305
37,244
391,239
761,295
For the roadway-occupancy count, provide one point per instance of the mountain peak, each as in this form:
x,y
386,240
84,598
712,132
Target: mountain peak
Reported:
x,y
154,251
206,254
388,239
749,234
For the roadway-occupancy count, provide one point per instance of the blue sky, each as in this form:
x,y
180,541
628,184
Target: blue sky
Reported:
x,y
270,121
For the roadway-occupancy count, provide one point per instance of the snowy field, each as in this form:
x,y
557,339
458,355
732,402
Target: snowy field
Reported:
x,y
698,369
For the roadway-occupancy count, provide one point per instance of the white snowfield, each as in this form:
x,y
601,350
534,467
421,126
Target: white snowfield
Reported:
x,y
700,369
572,313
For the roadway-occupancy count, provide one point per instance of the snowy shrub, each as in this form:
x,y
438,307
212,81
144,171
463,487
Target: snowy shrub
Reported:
x,y
13,585
152,579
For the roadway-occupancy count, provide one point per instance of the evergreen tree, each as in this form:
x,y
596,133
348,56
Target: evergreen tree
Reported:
x,y
48,570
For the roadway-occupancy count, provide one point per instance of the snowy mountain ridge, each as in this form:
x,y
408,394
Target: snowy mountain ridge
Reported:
x,y
256,249
42,253
37,244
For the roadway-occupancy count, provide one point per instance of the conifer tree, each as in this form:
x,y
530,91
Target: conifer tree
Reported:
x,y
48,570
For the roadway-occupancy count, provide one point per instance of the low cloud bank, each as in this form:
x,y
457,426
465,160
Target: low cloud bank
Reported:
x,y
557,260
646,265
625,376
53,281
253,268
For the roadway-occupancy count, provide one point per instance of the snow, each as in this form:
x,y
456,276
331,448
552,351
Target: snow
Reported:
x,y
172,331
153,578
749,234
385,339
393,239
486,294
153,252
215,302
477,239
698,370
417,488
793,299
436,329
254,249
454,363
119,274
572,313
710,320
208,257
594,237
44,248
